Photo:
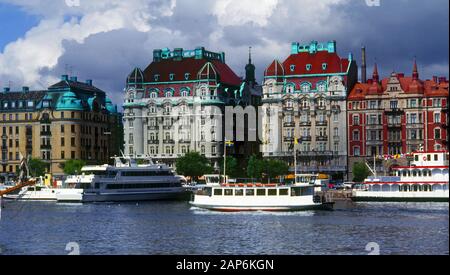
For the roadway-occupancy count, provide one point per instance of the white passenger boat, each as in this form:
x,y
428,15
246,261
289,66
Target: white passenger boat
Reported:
x,y
230,197
42,192
425,179
130,181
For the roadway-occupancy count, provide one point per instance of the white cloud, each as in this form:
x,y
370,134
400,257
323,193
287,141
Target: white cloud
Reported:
x,y
238,12
42,46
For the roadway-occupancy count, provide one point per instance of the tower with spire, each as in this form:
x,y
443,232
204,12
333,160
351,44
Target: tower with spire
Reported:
x,y
250,70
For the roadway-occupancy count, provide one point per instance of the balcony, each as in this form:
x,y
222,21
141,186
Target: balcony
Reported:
x,y
153,141
288,139
46,146
152,127
305,138
288,109
169,141
394,111
321,123
184,141
394,125
167,127
305,123
46,133
322,138
289,124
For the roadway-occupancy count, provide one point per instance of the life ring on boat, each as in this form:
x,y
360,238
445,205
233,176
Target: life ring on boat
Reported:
x,y
424,158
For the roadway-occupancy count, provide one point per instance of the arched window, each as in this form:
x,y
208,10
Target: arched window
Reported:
x,y
356,135
185,92
168,93
202,150
290,88
321,102
306,87
321,86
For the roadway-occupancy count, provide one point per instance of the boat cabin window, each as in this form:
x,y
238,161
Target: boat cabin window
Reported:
x,y
228,192
218,192
250,192
147,173
435,157
239,192
295,191
414,173
416,158
272,192
284,192
260,192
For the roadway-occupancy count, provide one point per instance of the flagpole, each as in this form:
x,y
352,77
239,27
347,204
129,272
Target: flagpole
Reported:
x,y
225,161
295,161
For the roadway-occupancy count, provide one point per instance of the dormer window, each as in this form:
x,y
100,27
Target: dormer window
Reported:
x,y
153,95
324,66
292,68
171,76
169,94
186,76
156,77
308,67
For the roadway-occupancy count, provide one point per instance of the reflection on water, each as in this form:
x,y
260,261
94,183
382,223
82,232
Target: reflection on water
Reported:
x,y
178,228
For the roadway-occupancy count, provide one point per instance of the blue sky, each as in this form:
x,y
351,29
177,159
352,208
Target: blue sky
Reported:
x,y
14,23
104,39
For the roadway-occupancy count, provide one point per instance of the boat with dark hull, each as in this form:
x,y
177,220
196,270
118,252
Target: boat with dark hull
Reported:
x,y
131,181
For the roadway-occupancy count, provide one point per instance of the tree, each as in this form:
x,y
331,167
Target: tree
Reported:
x,y
360,172
193,165
232,168
274,168
37,167
73,166
255,167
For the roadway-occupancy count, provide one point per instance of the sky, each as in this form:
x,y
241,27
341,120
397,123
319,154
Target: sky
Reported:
x,y
104,40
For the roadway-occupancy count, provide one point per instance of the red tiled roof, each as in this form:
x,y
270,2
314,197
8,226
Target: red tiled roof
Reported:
x,y
192,66
430,88
275,68
335,64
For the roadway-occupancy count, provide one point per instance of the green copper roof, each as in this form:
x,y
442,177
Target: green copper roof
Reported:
x,y
69,101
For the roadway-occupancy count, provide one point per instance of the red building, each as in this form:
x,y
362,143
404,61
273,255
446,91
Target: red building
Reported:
x,y
392,117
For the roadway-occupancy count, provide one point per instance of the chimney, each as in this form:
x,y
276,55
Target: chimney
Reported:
x,y
363,65
157,55
435,79
89,82
442,79
178,54
64,77
25,89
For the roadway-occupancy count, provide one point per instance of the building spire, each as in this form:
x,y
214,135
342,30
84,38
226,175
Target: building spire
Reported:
x,y
250,55
415,73
375,76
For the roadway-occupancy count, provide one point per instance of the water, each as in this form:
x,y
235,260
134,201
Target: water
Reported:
x,y
177,228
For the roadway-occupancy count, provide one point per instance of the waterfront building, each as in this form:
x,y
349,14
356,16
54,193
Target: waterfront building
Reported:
x,y
177,105
69,120
304,102
392,117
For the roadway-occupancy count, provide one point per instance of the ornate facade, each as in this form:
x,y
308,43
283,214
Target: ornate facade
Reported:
x,y
177,105
395,116
304,99
70,120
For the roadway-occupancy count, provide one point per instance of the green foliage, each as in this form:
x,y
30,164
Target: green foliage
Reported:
x,y
360,172
193,165
37,167
73,166
274,168
255,167
233,170
270,167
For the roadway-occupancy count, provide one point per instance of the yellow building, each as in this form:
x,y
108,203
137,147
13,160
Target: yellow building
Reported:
x,y
70,120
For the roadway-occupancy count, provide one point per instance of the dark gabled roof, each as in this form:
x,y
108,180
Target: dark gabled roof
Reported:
x,y
75,85
29,95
